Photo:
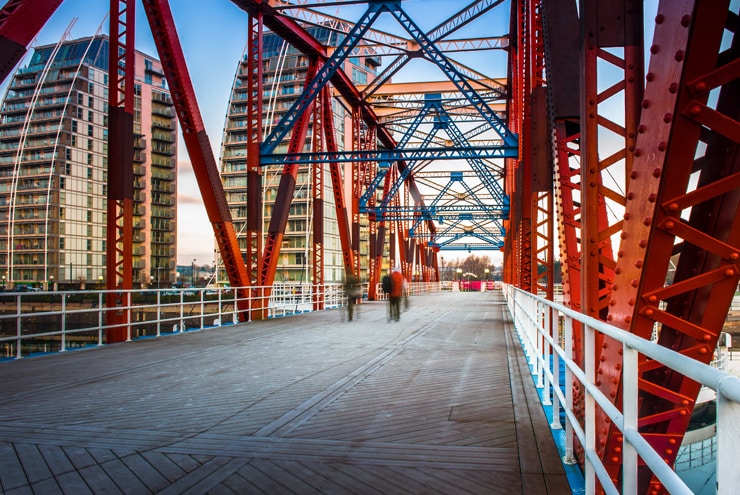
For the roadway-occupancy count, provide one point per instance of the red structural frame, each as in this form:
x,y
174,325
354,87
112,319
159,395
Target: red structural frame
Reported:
x,y
676,159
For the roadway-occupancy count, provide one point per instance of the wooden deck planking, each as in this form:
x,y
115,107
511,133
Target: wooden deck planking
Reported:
x,y
433,404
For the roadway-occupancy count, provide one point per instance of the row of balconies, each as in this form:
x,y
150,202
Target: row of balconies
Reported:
x,y
163,149
163,111
33,131
37,117
167,138
169,125
163,98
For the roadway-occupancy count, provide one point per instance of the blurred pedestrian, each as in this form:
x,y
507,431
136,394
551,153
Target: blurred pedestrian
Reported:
x,y
396,294
353,291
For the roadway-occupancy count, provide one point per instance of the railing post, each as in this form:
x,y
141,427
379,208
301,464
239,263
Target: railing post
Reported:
x,y
63,344
182,311
629,413
159,313
555,325
589,417
18,326
202,309
540,328
234,314
546,351
101,313
728,442
568,348
128,313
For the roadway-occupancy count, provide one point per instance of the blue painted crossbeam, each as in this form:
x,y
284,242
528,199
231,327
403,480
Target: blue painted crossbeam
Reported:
x,y
391,155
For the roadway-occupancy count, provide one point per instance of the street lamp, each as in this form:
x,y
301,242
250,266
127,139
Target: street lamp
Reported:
x,y
100,281
51,282
192,273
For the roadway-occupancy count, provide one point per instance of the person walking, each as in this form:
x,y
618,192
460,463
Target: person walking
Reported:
x,y
353,291
396,293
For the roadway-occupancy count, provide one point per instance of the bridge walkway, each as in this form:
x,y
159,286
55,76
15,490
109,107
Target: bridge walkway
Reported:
x,y
438,403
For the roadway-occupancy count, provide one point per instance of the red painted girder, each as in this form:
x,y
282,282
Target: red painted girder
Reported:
x,y
317,195
670,176
120,206
197,142
254,225
20,22
337,183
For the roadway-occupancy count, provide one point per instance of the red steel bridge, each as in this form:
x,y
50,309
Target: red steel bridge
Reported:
x,y
589,144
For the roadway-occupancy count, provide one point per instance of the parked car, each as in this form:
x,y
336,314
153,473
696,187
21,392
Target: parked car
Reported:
x,y
25,288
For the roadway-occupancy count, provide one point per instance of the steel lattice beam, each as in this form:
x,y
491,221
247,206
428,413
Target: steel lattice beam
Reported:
x,y
20,21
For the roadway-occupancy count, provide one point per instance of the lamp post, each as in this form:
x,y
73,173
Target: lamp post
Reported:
x,y
485,282
51,282
192,274
100,281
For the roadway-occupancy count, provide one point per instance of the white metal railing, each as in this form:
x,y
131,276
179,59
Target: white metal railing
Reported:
x,y
532,316
413,289
57,321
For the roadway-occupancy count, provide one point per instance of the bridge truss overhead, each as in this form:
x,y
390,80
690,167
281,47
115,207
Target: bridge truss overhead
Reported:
x,y
493,129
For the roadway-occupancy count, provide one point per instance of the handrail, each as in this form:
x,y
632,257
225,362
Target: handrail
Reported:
x,y
533,322
36,322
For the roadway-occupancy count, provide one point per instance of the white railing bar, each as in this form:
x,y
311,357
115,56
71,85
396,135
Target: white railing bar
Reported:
x,y
726,385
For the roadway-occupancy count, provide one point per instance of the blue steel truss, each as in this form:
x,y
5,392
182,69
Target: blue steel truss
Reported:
x,y
409,154
443,121
325,73
433,53
461,151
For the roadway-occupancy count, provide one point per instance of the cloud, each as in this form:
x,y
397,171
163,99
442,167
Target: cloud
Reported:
x,y
189,199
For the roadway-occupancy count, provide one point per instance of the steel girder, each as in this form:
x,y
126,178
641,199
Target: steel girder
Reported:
x,y
20,21
683,205
120,207
393,155
254,64
197,142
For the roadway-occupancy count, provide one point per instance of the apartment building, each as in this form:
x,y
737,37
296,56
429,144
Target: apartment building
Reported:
x,y
284,74
53,170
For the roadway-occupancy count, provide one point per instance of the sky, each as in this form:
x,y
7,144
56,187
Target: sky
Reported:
x,y
213,35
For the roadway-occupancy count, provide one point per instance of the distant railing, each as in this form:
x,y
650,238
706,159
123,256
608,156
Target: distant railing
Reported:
x,y
33,323
532,317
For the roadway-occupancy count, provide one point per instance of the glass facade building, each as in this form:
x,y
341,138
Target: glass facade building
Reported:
x,y
53,170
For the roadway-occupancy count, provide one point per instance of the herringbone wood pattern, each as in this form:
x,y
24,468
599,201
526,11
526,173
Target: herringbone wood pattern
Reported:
x,y
436,403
